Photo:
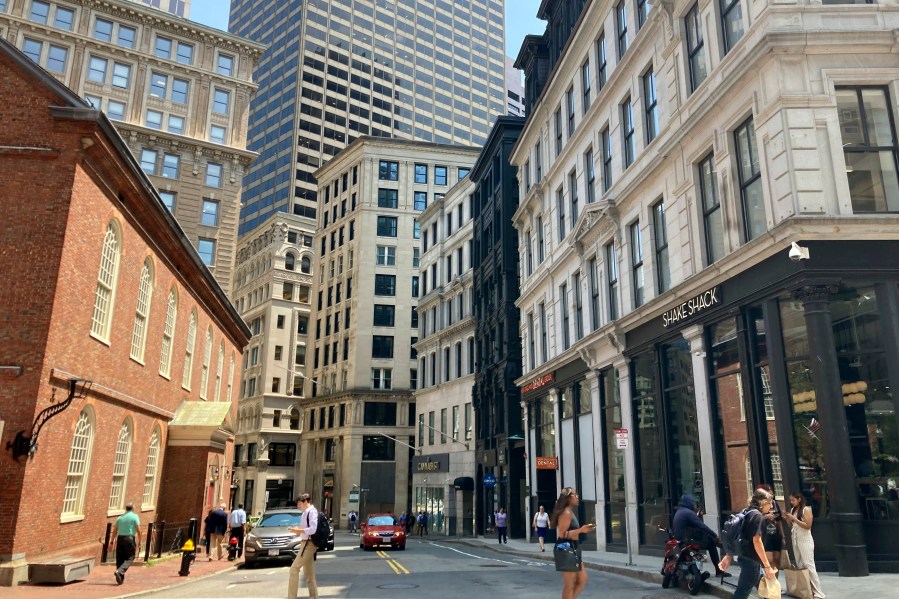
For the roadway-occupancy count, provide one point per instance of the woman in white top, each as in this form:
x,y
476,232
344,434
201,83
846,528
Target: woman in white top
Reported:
x,y
801,518
541,525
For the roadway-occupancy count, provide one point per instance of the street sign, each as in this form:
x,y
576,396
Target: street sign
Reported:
x,y
489,480
354,497
621,438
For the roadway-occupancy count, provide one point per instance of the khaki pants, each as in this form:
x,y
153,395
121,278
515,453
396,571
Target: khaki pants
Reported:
x,y
215,542
305,560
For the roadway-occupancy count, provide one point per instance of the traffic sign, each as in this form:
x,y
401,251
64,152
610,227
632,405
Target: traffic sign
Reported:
x,y
489,480
621,438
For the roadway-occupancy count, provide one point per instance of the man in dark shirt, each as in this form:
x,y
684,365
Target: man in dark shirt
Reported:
x,y
688,525
216,525
752,551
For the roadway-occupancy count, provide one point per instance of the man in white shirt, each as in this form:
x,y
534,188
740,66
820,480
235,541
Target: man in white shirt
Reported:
x,y
237,521
305,559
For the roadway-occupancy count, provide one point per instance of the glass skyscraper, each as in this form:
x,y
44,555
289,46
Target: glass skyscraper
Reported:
x,y
335,70
176,7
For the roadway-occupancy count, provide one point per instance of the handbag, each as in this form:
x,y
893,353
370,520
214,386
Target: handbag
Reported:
x,y
798,584
769,588
567,556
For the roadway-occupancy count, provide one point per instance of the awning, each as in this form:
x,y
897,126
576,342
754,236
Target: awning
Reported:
x,y
201,423
464,483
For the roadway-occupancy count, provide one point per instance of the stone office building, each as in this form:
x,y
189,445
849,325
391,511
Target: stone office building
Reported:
x,y
670,159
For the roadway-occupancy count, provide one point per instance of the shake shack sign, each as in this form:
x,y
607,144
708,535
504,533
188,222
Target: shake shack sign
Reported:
x,y
692,307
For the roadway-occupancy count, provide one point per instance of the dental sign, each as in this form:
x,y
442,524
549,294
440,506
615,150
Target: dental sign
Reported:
x,y
692,307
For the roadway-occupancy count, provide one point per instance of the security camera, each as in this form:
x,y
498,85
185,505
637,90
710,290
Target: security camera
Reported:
x,y
798,252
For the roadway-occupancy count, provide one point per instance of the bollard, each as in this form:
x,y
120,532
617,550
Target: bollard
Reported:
x,y
193,531
149,541
105,554
188,555
161,536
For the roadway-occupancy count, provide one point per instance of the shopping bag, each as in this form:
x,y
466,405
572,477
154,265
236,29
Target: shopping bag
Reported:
x,y
798,584
769,588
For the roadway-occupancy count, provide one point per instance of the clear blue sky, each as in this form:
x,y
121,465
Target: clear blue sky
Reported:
x,y
520,19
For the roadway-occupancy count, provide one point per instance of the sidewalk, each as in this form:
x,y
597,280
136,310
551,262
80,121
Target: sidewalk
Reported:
x,y
141,578
647,568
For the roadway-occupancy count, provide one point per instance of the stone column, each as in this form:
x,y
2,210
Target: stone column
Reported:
x,y
630,457
705,424
848,530
526,433
598,459
557,426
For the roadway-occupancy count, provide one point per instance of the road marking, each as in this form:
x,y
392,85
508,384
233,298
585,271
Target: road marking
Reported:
x,y
489,559
397,567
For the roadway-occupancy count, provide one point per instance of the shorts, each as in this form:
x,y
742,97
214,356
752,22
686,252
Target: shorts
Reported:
x,y
541,532
774,542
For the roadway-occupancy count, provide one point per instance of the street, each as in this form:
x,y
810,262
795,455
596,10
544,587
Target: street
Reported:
x,y
428,568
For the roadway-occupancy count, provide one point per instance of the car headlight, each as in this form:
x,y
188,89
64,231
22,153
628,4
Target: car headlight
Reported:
x,y
399,534
251,538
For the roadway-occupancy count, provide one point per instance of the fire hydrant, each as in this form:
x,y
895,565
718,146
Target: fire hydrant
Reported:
x,y
188,555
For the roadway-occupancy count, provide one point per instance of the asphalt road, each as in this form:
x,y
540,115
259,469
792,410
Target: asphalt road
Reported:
x,y
427,569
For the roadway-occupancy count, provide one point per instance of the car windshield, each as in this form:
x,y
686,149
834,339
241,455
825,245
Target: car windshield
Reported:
x,y
380,521
282,520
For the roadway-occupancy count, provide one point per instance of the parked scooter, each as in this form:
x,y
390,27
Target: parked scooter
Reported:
x,y
683,561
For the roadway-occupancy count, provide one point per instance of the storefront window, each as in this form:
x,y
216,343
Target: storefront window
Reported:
x,y
566,397
764,393
731,433
654,502
546,429
680,403
584,400
430,500
611,412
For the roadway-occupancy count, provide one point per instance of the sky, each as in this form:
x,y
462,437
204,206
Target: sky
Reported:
x,y
520,19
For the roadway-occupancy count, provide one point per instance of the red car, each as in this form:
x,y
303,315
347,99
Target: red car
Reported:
x,y
382,530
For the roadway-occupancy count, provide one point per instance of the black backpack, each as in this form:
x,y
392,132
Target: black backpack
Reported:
x,y
732,533
320,537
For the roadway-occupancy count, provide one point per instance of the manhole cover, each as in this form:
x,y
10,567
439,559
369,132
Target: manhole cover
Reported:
x,y
494,566
398,586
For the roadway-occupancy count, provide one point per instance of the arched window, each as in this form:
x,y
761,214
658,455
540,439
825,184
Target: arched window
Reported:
x,y
189,350
106,283
229,389
306,265
79,465
207,357
290,261
120,468
142,312
294,419
218,373
152,467
168,333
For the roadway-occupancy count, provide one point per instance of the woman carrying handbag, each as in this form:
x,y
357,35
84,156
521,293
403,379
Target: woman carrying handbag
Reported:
x,y
566,553
800,516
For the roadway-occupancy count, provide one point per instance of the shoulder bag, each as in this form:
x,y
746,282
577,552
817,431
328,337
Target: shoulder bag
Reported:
x,y
567,556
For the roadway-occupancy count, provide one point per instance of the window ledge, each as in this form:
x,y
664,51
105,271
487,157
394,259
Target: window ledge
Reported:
x,y
114,513
65,519
147,508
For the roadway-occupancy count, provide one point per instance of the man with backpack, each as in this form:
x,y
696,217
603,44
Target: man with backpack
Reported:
x,y
305,559
742,538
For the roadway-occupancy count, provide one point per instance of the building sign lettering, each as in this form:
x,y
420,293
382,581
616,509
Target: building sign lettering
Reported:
x,y
692,306
547,463
538,382
431,463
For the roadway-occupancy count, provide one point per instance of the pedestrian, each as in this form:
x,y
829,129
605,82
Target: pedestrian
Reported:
x,y
237,522
424,522
352,516
688,525
127,541
403,519
305,559
541,525
569,528
773,537
502,521
216,526
800,516
752,551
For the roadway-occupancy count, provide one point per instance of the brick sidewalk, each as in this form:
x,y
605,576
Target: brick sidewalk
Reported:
x,y
141,578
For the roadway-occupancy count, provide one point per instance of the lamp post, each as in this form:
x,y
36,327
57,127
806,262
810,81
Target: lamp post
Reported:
x,y
362,493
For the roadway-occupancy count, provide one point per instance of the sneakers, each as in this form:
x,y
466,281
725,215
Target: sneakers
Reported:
x,y
119,577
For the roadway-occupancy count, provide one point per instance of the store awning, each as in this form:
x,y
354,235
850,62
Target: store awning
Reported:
x,y
464,483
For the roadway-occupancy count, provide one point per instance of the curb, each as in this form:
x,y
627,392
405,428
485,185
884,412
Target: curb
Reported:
x,y
187,580
710,589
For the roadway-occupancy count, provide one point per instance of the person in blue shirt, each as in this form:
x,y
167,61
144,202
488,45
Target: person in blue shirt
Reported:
x,y
688,524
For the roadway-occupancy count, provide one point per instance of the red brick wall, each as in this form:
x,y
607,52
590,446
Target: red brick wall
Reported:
x,y
56,211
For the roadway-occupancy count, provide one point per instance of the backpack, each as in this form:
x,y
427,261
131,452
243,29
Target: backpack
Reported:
x,y
320,537
732,533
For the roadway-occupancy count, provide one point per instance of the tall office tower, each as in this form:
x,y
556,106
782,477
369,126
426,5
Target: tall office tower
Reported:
x,y
430,70
176,7
365,295
514,89
177,91
272,291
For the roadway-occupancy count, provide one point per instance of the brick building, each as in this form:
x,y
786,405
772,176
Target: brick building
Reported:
x,y
103,296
